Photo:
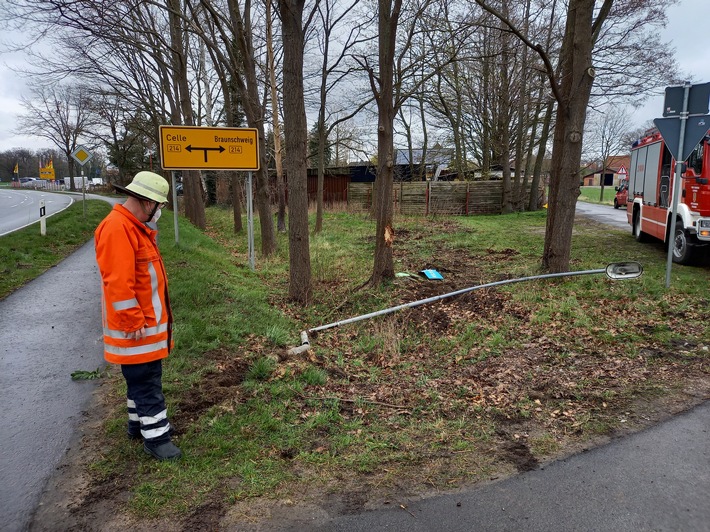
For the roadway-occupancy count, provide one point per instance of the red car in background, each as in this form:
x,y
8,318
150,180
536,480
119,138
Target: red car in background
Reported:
x,y
622,194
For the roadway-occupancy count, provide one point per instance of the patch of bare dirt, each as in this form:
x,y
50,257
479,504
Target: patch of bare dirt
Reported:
x,y
222,382
561,390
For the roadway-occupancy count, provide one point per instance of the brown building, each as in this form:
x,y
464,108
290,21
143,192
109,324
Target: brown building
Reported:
x,y
617,168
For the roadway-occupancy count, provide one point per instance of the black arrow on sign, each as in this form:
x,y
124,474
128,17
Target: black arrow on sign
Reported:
x,y
205,150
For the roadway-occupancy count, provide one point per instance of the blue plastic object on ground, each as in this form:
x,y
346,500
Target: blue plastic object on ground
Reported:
x,y
432,274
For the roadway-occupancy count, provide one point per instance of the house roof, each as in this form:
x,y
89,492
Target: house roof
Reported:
x,y
617,161
614,164
436,155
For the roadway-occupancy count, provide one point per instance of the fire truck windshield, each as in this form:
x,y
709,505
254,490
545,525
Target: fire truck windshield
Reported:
x,y
695,160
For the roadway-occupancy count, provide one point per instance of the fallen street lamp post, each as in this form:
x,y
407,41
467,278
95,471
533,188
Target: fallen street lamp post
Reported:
x,y
615,270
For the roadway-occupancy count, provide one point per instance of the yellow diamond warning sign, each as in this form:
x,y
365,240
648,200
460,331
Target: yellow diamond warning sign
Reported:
x,y
209,148
81,155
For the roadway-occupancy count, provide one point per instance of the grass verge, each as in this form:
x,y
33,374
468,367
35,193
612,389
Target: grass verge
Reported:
x,y
591,194
26,254
444,393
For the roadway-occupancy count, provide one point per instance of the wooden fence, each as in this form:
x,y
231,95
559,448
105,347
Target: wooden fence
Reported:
x,y
438,197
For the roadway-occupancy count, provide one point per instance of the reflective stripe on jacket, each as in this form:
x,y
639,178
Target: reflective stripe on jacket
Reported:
x,y
135,289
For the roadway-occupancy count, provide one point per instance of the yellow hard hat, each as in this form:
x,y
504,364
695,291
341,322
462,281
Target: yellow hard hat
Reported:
x,y
147,185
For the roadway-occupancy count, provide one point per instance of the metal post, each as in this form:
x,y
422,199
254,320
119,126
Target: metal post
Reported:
x,y
676,184
250,222
175,208
83,191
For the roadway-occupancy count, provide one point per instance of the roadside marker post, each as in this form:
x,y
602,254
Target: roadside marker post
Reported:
x,y
42,218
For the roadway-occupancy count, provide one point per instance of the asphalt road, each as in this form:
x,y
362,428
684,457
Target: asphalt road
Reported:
x,y
605,214
20,208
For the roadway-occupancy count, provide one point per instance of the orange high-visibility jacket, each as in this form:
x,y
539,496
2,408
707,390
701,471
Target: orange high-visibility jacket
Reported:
x,y
135,289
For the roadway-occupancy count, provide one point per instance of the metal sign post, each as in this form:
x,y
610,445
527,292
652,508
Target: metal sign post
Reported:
x,y
175,208
82,156
676,185
83,190
250,222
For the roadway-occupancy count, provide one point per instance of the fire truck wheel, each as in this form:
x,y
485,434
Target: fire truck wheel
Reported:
x,y
682,250
639,235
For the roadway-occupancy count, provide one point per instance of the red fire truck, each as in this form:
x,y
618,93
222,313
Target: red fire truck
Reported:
x,y
650,196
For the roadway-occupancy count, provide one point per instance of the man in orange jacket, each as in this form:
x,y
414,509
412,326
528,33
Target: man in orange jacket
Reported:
x,y
137,320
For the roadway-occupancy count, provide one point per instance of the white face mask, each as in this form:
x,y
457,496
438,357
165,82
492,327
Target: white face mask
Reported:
x,y
156,216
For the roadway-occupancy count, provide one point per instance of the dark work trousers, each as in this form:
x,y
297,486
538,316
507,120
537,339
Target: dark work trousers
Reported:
x,y
146,404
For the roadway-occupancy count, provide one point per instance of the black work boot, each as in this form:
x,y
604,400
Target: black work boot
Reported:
x,y
163,451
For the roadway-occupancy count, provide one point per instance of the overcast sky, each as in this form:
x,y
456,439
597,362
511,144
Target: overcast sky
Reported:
x,y
687,30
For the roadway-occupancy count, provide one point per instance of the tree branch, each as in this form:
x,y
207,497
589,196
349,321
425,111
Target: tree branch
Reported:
x,y
549,69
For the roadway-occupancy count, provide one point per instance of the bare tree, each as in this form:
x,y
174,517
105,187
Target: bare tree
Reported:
x,y
571,84
456,86
505,111
122,49
332,75
232,42
296,132
394,64
124,134
384,89
606,135
59,114
183,112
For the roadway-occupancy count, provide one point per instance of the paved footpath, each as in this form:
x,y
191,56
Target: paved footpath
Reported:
x,y
51,327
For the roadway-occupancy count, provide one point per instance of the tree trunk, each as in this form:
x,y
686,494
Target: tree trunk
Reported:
x,y
575,87
522,124
384,232
486,85
321,132
528,164
192,182
296,133
407,126
505,108
388,15
72,170
321,171
601,179
540,158
278,157
425,139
